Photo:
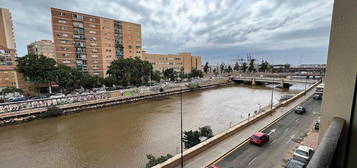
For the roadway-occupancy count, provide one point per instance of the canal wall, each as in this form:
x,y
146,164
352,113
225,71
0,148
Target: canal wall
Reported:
x,y
192,152
31,114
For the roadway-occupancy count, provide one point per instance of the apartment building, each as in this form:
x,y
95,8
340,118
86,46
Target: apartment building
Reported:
x,y
8,75
42,47
90,43
183,60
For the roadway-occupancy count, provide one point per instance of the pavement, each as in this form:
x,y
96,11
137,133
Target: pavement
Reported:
x,y
215,152
285,136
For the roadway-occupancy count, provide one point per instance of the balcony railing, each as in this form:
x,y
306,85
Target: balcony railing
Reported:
x,y
325,155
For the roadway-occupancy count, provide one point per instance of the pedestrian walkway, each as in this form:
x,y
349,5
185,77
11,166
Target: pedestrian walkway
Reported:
x,y
213,153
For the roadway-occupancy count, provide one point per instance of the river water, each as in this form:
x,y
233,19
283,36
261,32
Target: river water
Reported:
x,y
120,136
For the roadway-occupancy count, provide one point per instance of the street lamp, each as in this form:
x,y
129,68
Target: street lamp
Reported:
x,y
259,107
272,95
181,130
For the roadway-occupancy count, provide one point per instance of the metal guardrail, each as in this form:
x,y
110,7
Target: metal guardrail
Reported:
x,y
324,155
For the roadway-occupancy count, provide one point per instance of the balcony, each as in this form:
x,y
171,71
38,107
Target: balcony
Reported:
x,y
77,17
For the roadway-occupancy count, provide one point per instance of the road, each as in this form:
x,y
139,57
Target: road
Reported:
x,y
284,135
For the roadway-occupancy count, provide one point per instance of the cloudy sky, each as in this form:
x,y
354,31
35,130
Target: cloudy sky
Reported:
x,y
280,31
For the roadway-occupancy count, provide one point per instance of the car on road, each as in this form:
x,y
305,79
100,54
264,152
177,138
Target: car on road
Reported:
x,y
303,153
58,95
317,124
299,110
292,163
17,99
259,138
317,97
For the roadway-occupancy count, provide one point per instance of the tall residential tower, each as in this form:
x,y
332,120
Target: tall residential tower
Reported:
x,y
90,43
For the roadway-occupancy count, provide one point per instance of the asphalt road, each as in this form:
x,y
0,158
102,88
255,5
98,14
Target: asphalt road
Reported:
x,y
284,134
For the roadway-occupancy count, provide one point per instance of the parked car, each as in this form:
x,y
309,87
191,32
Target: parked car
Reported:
x,y
300,110
292,163
303,153
59,95
317,124
317,97
259,138
16,99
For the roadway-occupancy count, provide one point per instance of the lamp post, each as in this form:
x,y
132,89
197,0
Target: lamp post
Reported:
x,y
272,95
259,107
305,85
181,130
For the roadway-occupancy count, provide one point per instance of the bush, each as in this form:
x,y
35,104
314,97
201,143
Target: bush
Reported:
x,y
154,161
52,111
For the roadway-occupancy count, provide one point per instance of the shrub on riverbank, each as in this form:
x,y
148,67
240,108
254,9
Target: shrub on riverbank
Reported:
x,y
154,161
52,111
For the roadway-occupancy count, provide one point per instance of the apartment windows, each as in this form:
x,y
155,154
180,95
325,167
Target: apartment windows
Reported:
x,y
64,48
60,14
66,61
61,21
108,50
95,61
63,28
109,56
80,50
130,47
78,30
79,44
94,51
138,47
107,38
92,32
94,55
78,37
95,67
93,39
93,44
92,19
92,25
63,41
106,20
65,55
96,73
177,58
78,24
77,17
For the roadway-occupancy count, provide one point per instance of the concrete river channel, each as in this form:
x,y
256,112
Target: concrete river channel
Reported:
x,y
121,136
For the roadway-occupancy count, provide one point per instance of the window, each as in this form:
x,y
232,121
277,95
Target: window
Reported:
x,y
77,24
67,61
60,13
64,48
92,25
93,44
130,47
92,19
64,35
63,28
138,47
77,17
61,21
94,56
93,39
108,50
92,32
63,41
65,55
94,50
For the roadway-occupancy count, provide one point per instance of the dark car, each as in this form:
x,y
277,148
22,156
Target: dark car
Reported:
x,y
317,97
259,138
317,124
292,163
300,110
17,99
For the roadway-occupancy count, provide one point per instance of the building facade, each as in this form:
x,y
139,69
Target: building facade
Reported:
x,y
90,43
8,75
42,47
185,60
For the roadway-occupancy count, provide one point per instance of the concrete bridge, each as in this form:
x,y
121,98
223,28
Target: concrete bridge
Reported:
x,y
281,82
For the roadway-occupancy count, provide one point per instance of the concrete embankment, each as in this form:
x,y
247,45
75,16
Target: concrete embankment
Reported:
x,y
202,147
31,114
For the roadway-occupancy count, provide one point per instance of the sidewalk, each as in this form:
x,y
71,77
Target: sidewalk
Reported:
x,y
208,156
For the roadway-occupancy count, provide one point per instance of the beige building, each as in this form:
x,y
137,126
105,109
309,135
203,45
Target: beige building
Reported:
x,y
90,43
340,92
42,47
8,75
184,60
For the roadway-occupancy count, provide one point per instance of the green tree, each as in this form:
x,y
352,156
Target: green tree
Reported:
x,y
244,67
109,81
191,138
196,73
206,67
206,131
156,76
264,66
287,66
236,66
90,82
170,74
154,161
36,68
67,78
230,70
130,71
222,67
251,65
